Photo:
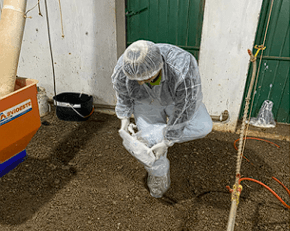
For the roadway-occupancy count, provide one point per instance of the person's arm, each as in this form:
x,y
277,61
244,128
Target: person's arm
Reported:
x,y
124,107
187,99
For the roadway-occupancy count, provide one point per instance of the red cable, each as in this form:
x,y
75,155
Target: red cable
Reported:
x,y
267,187
256,181
288,191
255,138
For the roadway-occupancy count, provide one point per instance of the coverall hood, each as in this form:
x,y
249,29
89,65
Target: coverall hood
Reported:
x,y
142,60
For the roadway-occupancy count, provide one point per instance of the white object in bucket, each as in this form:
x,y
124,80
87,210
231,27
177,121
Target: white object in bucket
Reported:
x,y
64,104
43,105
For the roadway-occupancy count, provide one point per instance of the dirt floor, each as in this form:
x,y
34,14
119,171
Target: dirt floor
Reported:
x,y
78,176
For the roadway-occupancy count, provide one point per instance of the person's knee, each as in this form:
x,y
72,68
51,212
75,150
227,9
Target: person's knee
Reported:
x,y
196,131
206,122
207,127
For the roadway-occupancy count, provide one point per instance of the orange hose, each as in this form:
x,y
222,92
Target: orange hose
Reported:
x,y
255,138
267,187
256,181
288,191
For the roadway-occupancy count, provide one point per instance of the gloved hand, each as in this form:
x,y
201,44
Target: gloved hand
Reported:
x,y
160,149
131,128
124,124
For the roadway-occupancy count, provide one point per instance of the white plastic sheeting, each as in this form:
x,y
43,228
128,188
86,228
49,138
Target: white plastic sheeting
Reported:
x,y
265,118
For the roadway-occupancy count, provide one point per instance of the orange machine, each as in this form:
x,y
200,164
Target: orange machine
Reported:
x,y
19,121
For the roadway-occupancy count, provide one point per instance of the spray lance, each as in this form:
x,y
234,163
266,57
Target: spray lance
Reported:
x,y
237,187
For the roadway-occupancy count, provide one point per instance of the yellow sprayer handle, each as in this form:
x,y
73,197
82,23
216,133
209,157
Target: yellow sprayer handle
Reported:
x,y
260,47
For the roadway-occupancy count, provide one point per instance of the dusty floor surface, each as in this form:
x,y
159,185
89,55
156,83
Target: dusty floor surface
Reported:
x,y
78,176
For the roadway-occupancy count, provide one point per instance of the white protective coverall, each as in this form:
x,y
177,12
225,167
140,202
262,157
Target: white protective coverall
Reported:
x,y
167,113
178,97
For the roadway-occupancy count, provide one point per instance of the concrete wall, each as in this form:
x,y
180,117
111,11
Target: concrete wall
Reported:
x,y
94,37
229,29
85,57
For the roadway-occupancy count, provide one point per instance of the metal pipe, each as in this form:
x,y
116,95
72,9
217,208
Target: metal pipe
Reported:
x,y
237,188
11,33
275,58
232,217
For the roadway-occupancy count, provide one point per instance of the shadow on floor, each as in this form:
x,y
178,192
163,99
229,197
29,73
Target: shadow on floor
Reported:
x,y
33,183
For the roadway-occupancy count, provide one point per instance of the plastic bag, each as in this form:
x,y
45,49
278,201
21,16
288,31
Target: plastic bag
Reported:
x,y
138,145
265,118
158,180
137,149
151,135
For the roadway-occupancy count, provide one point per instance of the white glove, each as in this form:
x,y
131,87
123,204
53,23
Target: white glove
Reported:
x,y
160,149
124,124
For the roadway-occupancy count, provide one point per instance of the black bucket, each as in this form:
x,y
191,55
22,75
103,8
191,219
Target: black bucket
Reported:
x,y
73,106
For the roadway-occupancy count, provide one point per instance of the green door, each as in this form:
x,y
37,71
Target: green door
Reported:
x,y
273,79
177,22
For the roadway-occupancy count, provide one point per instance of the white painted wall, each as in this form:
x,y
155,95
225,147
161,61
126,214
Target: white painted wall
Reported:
x,y
84,59
229,29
